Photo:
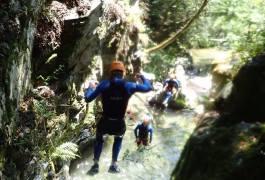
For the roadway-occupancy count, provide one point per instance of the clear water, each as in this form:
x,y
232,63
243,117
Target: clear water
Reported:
x,y
171,131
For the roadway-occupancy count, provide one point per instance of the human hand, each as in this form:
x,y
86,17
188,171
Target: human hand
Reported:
x,y
137,140
93,85
137,75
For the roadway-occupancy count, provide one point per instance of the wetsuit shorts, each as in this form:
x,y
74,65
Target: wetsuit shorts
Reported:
x,y
144,140
111,126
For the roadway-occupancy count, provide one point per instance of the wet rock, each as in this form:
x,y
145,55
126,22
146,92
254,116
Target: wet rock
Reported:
x,y
85,139
64,172
230,146
33,170
222,70
50,175
157,86
45,91
21,158
223,95
173,103
215,151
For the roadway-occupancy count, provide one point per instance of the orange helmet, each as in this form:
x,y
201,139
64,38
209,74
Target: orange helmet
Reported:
x,y
117,65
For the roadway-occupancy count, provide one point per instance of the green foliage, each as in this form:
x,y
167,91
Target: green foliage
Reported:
x,y
2,158
233,24
126,154
44,110
160,62
178,103
208,102
181,103
47,79
66,151
230,24
167,16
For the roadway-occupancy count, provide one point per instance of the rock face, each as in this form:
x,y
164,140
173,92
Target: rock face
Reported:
x,y
107,30
112,36
246,100
230,145
17,32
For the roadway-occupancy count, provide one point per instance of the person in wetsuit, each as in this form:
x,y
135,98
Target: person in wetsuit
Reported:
x,y
171,88
142,130
115,94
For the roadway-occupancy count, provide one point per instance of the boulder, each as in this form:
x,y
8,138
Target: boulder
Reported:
x,y
229,145
246,100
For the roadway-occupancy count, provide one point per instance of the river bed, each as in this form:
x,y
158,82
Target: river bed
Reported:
x,y
171,131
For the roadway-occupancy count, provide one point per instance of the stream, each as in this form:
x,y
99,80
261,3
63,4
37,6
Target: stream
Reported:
x,y
171,131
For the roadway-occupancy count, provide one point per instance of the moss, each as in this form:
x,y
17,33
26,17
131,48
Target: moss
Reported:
x,y
2,158
251,156
9,110
221,152
70,134
178,103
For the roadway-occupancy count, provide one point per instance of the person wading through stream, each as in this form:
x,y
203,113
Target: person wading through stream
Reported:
x,y
115,94
144,129
171,88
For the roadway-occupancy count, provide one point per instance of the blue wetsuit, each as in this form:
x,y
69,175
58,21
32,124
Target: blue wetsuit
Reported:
x,y
115,96
143,133
170,85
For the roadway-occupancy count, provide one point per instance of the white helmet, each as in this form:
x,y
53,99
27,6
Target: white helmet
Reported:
x,y
147,116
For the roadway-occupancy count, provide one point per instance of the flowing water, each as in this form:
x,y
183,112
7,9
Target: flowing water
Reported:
x,y
171,131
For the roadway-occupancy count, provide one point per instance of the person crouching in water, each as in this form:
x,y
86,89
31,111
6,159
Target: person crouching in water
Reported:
x,y
171,88
142,129
115,94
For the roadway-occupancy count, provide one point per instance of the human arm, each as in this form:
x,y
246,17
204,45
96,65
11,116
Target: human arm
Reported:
x,y
151,134
136,129
93,92
176,83
165,84
145,87
133,87
135,132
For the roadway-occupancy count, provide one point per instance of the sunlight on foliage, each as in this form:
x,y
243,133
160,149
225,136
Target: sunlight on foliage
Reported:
x,y
232,24
66,151
160,63
229,24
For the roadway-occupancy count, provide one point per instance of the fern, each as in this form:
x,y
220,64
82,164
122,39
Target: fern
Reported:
x,y
65,151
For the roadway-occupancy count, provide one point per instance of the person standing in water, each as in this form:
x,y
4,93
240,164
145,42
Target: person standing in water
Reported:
x,y
142,130
115,94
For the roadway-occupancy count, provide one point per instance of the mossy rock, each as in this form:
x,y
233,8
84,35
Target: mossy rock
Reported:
x,y
223,152
178,103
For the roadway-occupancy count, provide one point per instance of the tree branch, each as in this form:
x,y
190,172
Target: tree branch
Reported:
x,y
177,34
